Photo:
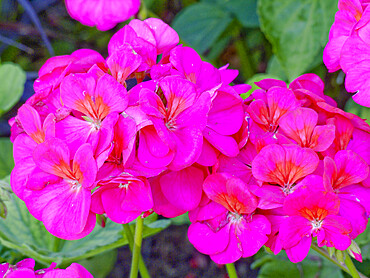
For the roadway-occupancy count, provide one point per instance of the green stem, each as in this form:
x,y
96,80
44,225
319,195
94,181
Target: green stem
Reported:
x,y
334,261
144,273
231,271
137,247
246,64
351,267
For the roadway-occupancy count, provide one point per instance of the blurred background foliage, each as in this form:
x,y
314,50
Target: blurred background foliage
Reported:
x,y
261,38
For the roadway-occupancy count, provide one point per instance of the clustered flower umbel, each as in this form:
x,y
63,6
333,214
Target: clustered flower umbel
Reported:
x,y
349,47
25,269
155,128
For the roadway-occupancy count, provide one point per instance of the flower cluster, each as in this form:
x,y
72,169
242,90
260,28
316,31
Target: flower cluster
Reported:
x,y
349,47
155,128
25,269
302,174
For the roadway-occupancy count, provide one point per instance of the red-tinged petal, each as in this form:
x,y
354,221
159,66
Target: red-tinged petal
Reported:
x,y
188,143
284,165
110,96
161,204
311,204
31,123
355,213
280,101
244,201
351,169
259,113
300,251
207,241
187,193
66,214
84,166
76,91
226,114
225,144
253,234
152,151
123,62
233,251
330,173
231,192
299,125
53,157
293,230
166,37
337,231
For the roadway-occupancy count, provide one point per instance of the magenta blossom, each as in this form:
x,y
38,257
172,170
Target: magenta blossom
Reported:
x,y
312,214
228,228
104,14
25,269
123,198
60,190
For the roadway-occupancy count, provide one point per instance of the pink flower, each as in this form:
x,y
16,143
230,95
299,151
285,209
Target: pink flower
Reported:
x,y
25,269
301,126
284,165
62,203
104,14
312,214
227,228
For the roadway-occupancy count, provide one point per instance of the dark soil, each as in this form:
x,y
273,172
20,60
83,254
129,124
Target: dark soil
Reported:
x,y
169,254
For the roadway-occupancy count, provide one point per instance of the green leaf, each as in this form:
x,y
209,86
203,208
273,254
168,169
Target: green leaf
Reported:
x,y
6,157
361,111
297,29
22,232
313,266
201,24
101,265
12,80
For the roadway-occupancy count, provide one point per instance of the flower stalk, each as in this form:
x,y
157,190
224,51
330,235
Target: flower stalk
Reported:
x,y
144,273
231,271
137,247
